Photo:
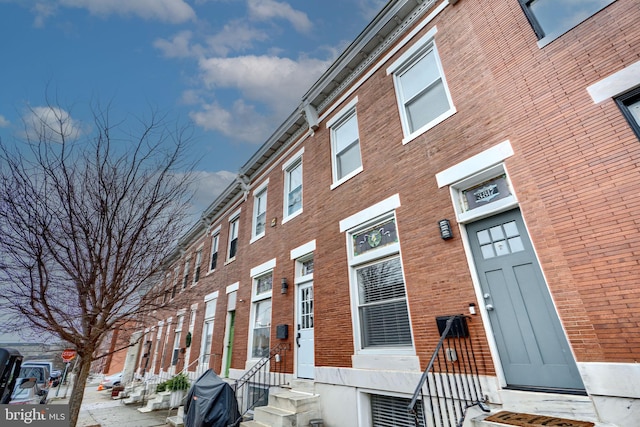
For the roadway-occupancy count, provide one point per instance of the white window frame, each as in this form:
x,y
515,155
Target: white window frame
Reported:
x,y
291,165
185,274
197,268
257,273
215,247
234,228
177,339
259,208
420,50
343,116
360,221
209,318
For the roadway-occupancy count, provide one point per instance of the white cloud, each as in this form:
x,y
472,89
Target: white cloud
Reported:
x,y
178,46
264,10
208,186
4,122
276,82
51,124
42,11
241,122
370,8
174,11
235,36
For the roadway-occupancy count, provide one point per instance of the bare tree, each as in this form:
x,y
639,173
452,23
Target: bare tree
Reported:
x,y
85,224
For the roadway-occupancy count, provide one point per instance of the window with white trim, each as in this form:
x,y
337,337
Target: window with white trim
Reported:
x,y
185,274
380,304
345,145
176,341
215,241
196,271
552,18
629,104
261,319
174,288
207,331
293,188
234,223
421,89
259,213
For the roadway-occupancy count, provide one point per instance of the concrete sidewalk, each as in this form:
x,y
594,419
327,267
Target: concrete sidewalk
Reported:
x,y
100,410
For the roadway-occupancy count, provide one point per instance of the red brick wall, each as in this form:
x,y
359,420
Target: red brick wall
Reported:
x,y
575,173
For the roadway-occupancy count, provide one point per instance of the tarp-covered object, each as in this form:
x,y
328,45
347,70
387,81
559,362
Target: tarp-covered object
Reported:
x,y
211,402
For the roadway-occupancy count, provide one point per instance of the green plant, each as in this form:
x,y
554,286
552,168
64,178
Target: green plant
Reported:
x,y
161,387
179,382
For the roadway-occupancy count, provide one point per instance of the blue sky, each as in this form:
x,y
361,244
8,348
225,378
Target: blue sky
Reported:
x,y
235,69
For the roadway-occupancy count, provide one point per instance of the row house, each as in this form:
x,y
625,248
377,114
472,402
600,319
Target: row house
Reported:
x,y
459,158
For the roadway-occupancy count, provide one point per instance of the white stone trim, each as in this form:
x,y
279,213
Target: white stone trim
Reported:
x,y
616,83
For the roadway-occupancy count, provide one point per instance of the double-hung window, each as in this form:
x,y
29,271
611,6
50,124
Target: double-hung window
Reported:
x,y
196,272
177,341
379,298
293,186
345,144
207,329
234,223
552,18
421,89
262,278
259,211
215,241
185,279
174,287
629,104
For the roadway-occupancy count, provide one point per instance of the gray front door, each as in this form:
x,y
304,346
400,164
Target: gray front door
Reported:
x,y
531,343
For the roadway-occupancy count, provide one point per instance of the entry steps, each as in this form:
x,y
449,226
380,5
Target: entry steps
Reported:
x,y
294,407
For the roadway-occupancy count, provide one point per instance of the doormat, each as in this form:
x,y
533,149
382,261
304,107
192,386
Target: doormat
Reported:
x,y
531,420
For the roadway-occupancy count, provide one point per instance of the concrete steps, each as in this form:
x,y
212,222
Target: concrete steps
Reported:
x,y
294,407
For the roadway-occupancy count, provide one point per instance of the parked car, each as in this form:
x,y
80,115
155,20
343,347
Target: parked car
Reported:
x,y
40,373
27,391
111,380
55,374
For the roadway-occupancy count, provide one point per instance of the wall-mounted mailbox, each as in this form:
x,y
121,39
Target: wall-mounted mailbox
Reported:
x,y
282,332
458,329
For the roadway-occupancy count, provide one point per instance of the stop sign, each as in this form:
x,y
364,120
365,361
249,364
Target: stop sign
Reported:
x,y
68,355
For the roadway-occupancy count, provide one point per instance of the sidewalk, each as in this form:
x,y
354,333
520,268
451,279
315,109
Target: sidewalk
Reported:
x,y
100,410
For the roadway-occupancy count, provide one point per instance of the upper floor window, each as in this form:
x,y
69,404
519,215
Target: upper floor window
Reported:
x,y
234,223
629,104
215,241
196,272
345,144
421,89
552,18
293,186
185,280
259,211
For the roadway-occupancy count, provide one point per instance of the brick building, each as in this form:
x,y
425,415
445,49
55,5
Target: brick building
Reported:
x,y
514,120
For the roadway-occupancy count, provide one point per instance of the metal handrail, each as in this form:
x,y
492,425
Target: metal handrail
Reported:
x,y
457,374
262,377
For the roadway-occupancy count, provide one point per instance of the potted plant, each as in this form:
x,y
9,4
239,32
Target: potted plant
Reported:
x,y
178,385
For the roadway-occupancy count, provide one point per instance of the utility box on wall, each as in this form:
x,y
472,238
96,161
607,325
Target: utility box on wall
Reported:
x,y
282,332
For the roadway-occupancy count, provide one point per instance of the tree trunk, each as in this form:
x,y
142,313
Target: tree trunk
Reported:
x,y
77,394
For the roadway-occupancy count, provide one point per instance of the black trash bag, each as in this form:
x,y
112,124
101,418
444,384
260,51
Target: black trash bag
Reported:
x,y
211,402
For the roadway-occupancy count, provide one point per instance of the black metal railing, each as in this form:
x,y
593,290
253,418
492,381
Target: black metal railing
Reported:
x,y
252,389
451,379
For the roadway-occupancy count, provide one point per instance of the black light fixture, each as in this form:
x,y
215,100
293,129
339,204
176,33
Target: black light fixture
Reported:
x,y
285,286
445,229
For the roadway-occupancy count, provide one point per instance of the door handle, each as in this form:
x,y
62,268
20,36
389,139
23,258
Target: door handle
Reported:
x,y
489,307
298,339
